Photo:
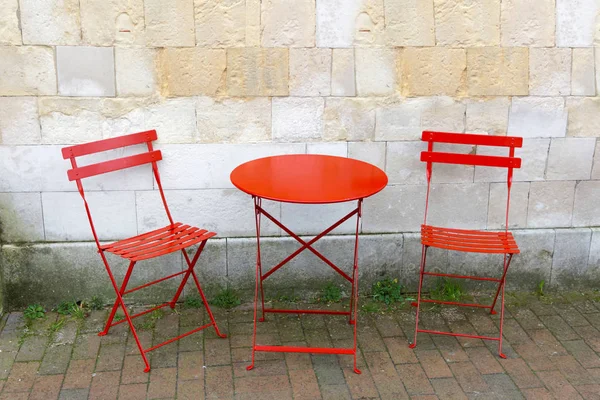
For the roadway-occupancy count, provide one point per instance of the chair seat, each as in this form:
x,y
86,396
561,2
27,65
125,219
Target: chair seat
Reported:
x,y
469,240
159,242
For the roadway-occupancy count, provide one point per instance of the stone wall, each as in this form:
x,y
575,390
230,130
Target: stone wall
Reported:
x,y
226,81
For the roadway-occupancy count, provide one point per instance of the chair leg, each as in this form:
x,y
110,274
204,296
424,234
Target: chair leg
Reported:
x,y
116,305
206,306
422,269
191,265
507,261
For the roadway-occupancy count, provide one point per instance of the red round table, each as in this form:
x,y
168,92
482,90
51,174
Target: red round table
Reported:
x,y
307,179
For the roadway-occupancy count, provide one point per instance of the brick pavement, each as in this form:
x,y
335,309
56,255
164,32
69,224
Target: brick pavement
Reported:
x,y
553,352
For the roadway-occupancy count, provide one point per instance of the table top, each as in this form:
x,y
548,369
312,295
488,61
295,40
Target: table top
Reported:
x,y
309,178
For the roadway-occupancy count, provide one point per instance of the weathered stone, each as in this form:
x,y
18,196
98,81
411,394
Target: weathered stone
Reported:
x,y
584,116
234,120
229,212
467,23
174,121
527,23
312,219
534,263
433,71
443,114
27,70
496,71
585,209
257,72
571,256
549,71
437,260
192,71
594,259
577,23
104,23
396,209
344,23
65,217
447,205
409,23
596,167
349,119
487,115
19,121
85,71
534,156
136,71
21,217
582,76
550,204
519,196
221,23
403,165
444,173
297,119
169,23
10,32
376,73
371,152
338,149
53,22
570,159
491,174
342,73
533,117
216,161
285,24
310,72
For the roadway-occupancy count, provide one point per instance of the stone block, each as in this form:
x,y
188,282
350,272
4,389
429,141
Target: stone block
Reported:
x,y
570,159
371,152
445,173
21,217
447,205
571,256
174,121
487,115
53,22
27,70
496,71
549,71
10,31
228,212
285,24
234,120
312,219
223,24
596,167
85,71
396,209
433,71
534,156
534,263
349,119
577,23
550,204
535,117
104,23
135,70
192,71
342,73
297,119
213,161
169,23
31,274
19,121
346,23
585,209
409,23
310,72
443,114
582,74
338,149
467,24
257,72
491,174
65,218
584,116
376,72
593,270
519,196
526,23
403,164
437,260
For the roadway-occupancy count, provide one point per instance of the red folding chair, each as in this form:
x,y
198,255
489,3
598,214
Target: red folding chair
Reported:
x,y
169,239
464,240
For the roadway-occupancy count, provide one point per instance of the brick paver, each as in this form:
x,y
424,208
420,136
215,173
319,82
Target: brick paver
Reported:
x,y
553,349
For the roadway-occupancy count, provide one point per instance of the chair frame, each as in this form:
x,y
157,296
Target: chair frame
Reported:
x,y
175,237
479,241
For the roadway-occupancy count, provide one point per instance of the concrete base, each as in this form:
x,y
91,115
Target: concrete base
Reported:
x,y
52,272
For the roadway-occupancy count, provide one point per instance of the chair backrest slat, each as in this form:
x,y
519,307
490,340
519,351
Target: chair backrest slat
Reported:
x,y
472,139
470,159
108,144
114,165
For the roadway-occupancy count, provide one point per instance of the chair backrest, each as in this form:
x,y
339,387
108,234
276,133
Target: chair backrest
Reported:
x,y
77,173
509,162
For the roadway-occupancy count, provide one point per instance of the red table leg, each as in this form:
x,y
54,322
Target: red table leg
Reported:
x,y
260,277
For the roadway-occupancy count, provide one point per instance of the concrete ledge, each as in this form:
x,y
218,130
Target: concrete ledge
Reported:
x,y
50,273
